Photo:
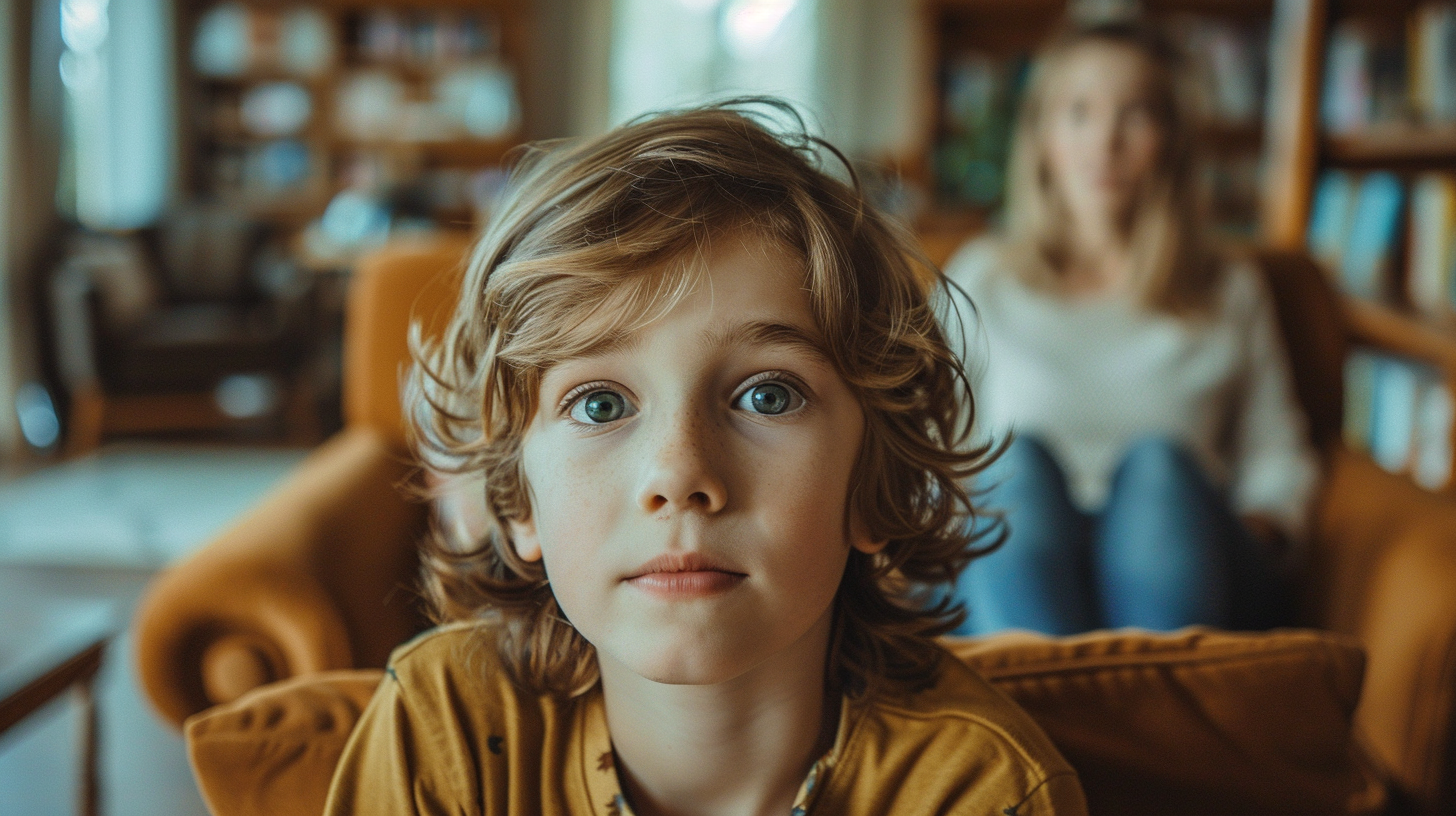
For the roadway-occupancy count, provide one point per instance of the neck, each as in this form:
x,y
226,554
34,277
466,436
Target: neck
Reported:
x,y
1100,259
742,746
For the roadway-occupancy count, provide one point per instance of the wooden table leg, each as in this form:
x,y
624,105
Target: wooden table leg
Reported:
x,y
90,794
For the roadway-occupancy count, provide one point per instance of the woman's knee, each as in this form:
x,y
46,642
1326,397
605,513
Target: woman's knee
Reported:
x,y
1154,463
1025,458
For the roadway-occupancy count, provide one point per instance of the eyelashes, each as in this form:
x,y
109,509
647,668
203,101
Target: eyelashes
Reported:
x,y
603,403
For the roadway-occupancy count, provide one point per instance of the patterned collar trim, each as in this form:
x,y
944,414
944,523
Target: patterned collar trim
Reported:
x,y
604,787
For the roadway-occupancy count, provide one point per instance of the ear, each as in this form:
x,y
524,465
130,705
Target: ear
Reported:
x,y
859,537
525,540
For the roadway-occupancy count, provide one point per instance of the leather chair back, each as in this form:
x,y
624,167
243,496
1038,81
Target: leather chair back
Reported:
x,y
1312,323
401,283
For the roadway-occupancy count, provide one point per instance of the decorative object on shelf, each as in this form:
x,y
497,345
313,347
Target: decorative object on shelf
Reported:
x,y
221,47
295,104
370,103
234,40
276,108
307,45
480,98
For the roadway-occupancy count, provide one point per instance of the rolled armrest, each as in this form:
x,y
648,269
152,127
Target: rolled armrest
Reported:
x,y
318,576
1384,570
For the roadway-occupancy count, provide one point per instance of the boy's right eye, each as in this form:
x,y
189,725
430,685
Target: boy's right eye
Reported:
x,y
600,407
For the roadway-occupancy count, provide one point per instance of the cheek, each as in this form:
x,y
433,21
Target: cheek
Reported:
x,y
1070,148
800,490
1144,150
571,502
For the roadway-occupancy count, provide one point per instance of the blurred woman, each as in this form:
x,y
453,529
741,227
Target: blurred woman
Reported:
x,y
1160,472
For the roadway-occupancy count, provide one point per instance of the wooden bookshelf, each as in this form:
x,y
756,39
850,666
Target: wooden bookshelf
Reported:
x,y
1398,146
1300,150
210,134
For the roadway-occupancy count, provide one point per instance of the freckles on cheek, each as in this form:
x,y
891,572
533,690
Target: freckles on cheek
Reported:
x,y
570,500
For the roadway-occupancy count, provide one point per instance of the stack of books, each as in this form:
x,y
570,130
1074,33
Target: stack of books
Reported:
x,y
1382,75
1355,231
1354,225
1400,411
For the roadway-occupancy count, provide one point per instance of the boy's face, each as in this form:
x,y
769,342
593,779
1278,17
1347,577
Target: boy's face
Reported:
x,y
689,488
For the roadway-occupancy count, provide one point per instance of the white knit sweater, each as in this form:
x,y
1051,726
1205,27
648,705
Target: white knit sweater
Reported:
x,y
1090,377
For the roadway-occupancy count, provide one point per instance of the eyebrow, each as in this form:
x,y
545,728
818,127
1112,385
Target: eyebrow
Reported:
x,y
751,333
769,333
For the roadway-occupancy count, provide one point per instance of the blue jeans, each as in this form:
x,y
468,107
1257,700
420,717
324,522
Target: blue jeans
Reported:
x,y
1164,552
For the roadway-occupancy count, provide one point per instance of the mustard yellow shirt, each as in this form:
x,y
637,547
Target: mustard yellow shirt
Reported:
x,y
447,733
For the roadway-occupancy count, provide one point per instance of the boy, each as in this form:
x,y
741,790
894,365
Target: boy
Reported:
x,y
721,438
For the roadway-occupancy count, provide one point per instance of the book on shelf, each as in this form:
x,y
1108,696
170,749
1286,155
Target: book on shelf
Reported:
x,y
1400,411
1432,240
1229,62
1364,80
1329,217
1375,75
1353,227
978,105
1432,46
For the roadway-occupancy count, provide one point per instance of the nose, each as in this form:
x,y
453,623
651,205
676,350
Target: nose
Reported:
x,y
680,472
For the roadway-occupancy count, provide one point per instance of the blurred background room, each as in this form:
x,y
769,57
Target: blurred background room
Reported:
x,y
189,186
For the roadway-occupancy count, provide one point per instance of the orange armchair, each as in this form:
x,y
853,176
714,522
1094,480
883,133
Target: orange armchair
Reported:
x,y
319,576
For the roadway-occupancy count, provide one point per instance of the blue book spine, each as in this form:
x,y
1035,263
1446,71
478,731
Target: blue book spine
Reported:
x,y
1371,237
1329,218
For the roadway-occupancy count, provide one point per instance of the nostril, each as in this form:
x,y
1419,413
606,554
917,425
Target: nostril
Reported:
x,y
700,499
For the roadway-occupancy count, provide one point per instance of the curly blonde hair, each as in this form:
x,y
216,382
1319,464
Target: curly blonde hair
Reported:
x,y
580,253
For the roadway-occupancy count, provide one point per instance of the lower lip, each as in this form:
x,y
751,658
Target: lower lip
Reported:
x,y
686,584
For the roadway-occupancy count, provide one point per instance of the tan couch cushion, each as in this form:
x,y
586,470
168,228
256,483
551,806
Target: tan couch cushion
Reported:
x,y
1196,721
1192,722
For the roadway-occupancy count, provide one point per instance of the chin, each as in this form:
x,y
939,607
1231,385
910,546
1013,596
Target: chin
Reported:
x,y
684,664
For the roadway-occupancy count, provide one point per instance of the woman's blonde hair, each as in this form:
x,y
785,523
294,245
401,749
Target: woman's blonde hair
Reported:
x,y
593,241
1175,266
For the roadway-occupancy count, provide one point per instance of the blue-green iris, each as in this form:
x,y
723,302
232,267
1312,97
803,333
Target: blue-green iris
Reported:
x,y
605,406
769,398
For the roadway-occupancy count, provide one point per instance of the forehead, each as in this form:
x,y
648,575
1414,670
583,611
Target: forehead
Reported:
x,y
740,289
1100,68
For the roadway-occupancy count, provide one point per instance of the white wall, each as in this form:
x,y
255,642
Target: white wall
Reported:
x,y
860,73
873,67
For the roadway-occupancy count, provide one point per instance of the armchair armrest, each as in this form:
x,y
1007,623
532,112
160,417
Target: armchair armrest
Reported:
x,y
318,576
1383,570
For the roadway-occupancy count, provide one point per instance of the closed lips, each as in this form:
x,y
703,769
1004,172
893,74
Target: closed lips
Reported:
x,y
684,575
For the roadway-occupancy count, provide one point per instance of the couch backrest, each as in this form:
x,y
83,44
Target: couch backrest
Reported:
x,y
417,279
1193,722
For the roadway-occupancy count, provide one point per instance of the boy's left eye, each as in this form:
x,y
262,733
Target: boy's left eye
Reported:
x,y
770,399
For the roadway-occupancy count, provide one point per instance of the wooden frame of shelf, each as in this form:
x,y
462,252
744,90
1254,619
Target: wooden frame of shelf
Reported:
x,y
1428,338
1400,145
